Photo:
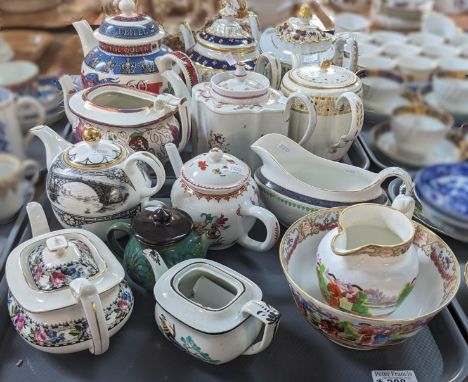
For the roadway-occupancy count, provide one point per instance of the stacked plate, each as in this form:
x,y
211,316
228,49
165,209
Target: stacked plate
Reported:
x,y
442,191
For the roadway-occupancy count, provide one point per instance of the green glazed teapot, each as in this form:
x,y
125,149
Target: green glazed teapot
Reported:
x,y
159,238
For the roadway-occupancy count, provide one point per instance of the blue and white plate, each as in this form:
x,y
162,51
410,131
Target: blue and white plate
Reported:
x,y
444,187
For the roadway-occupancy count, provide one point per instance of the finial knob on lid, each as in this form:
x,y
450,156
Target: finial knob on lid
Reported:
x,y
91,134
305,11
127,7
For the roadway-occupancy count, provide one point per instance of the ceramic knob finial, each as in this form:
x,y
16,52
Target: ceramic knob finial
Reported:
x,y
240,72
127,7
324,65
305,11
91,135
216,154
162,216
228,12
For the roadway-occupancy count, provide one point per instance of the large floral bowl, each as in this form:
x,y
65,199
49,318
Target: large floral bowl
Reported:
x,y
437,284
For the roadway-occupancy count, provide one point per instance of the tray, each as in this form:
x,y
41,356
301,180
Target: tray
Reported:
x,y
299,352
459,305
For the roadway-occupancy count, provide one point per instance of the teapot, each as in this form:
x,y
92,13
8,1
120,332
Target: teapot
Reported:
x,y
336,93
67,291
135,118
169,232
300,41
124,51
219,194
217,47
237,108
96,182
367,265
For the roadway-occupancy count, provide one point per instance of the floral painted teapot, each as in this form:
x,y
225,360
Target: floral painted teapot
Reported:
x,y
217,47
96,182
237,108
66,290
135,118
336,93
124,51
300,41
158,231
217,191
367,265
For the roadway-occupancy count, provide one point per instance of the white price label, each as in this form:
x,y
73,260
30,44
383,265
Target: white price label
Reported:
x,y
393,376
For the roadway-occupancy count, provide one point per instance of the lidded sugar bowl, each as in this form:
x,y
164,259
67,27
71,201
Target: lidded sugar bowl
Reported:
x,y
218,192
210,48
124,51
158,230
95,182
66,290
299,40
212,312
237,108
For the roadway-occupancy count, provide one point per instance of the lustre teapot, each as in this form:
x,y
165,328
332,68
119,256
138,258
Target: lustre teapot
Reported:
x,y
217,47
299,40
96,182
66,290
158,231
237,108
124,51
217,191
135,118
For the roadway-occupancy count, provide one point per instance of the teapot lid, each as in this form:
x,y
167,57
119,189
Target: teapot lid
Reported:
x,y
240,86
161,225
129,27
226,33
215,172
303,32
325,76
94,153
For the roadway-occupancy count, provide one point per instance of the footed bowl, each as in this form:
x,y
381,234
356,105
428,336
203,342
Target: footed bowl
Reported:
x,y
436,286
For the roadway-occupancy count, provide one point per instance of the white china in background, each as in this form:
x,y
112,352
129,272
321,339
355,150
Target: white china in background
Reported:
x,y
11,134
440,25
423,38
350,5
376,62
416,69
440,51
20,77
459,39
218,192
450,6
6,51
66,289
430,97
395,49
450,84
368,48
212,312
384,37
351,22
12,183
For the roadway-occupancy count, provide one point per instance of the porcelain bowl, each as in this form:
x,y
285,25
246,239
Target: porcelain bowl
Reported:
x,y
436,286
289,206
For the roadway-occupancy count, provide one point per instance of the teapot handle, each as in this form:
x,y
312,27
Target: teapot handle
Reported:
x,y
185,65
339,55
158,266
395,172
181,88
271,224
269,317
357,118
87,294
37,219
131,169
312,122
112,241
186,127
260,67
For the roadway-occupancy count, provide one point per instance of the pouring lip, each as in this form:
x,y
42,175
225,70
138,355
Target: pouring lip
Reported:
x,y
356,251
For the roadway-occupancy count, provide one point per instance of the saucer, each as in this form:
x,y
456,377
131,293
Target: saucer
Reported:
x,y
384,140
378,112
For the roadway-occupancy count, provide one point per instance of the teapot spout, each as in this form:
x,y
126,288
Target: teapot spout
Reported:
x,y
187,34
174,158
54,143
68,90
85,32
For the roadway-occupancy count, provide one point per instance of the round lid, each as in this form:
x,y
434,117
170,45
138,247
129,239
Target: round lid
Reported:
x,y
56,262
161,225
325,76
227,32
215,173
240,86
302,30
129,27
94,153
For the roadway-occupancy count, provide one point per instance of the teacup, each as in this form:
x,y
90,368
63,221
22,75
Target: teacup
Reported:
x,y
417,128
366,48
375,62
12,185
380,86
450,84
442,51
423,38
383,37
351,22
11,136
396,49
20,77
416,68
